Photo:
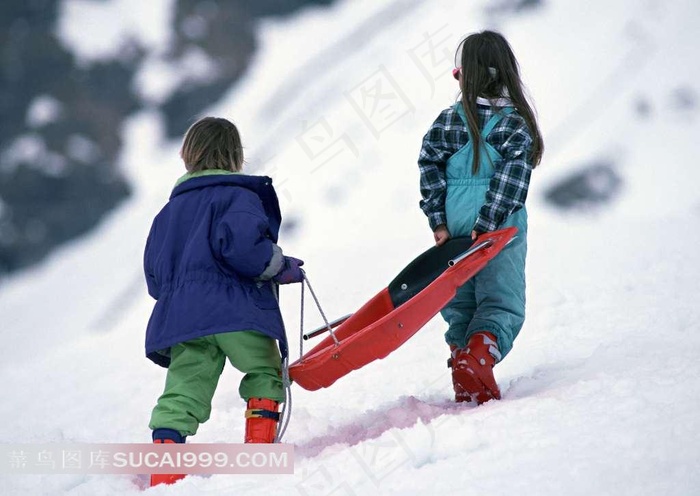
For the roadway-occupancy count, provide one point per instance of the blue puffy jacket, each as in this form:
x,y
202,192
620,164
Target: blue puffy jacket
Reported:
x,y
205,253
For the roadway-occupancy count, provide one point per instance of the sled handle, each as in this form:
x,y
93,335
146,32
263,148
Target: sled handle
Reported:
x,y
474,249
470,251
324,328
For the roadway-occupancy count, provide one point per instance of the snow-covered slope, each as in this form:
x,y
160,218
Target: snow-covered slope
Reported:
x,y
602,387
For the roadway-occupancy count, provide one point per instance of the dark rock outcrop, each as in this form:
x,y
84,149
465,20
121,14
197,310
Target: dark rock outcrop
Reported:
x,y
60,122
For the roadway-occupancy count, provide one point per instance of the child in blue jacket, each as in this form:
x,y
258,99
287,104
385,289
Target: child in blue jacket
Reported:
x,y
213,265
475,166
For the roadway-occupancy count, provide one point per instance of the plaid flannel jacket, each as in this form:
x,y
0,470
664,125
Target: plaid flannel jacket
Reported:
x,y
508,186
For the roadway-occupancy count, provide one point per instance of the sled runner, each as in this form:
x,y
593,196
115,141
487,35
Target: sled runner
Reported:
x,y
398,311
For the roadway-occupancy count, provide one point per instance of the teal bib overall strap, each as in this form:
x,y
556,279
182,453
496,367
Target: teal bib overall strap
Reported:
x,y
466,192
494,299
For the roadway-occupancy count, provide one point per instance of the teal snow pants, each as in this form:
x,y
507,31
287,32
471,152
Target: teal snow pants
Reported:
x,y
494,299
194,373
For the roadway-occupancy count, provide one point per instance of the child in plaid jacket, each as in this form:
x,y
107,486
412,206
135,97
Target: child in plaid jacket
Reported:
x,y
475,167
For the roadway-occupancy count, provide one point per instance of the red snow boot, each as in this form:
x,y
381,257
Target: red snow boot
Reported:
x,y
472,369
166,436
261,420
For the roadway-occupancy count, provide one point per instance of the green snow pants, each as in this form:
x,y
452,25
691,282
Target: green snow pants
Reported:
x,y
194,373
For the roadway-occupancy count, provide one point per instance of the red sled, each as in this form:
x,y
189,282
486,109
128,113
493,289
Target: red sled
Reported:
x,y
398,311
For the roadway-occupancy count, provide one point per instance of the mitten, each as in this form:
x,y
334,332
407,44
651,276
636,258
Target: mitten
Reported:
x,y
291,271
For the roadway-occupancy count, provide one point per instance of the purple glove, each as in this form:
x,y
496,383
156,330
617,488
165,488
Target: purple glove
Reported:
x,y
290,272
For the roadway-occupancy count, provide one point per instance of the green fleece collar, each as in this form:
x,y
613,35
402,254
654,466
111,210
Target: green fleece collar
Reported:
x,y
209,172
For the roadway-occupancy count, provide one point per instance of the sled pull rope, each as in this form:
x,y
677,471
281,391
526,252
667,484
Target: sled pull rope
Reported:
x,y
286,412
306,282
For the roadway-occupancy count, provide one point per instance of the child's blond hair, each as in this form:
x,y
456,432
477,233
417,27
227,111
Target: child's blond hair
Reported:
x,y
212,143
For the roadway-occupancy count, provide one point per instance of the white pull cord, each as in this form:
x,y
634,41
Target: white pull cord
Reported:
x,y
286,412
323,314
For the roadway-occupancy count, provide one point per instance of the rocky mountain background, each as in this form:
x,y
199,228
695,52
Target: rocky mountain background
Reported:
x,y
60,119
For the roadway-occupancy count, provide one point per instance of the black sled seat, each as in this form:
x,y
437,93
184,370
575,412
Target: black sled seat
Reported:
x,y
424,269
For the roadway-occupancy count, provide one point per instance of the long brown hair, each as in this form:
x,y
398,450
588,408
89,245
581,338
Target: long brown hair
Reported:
x,y
212,143
488,65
